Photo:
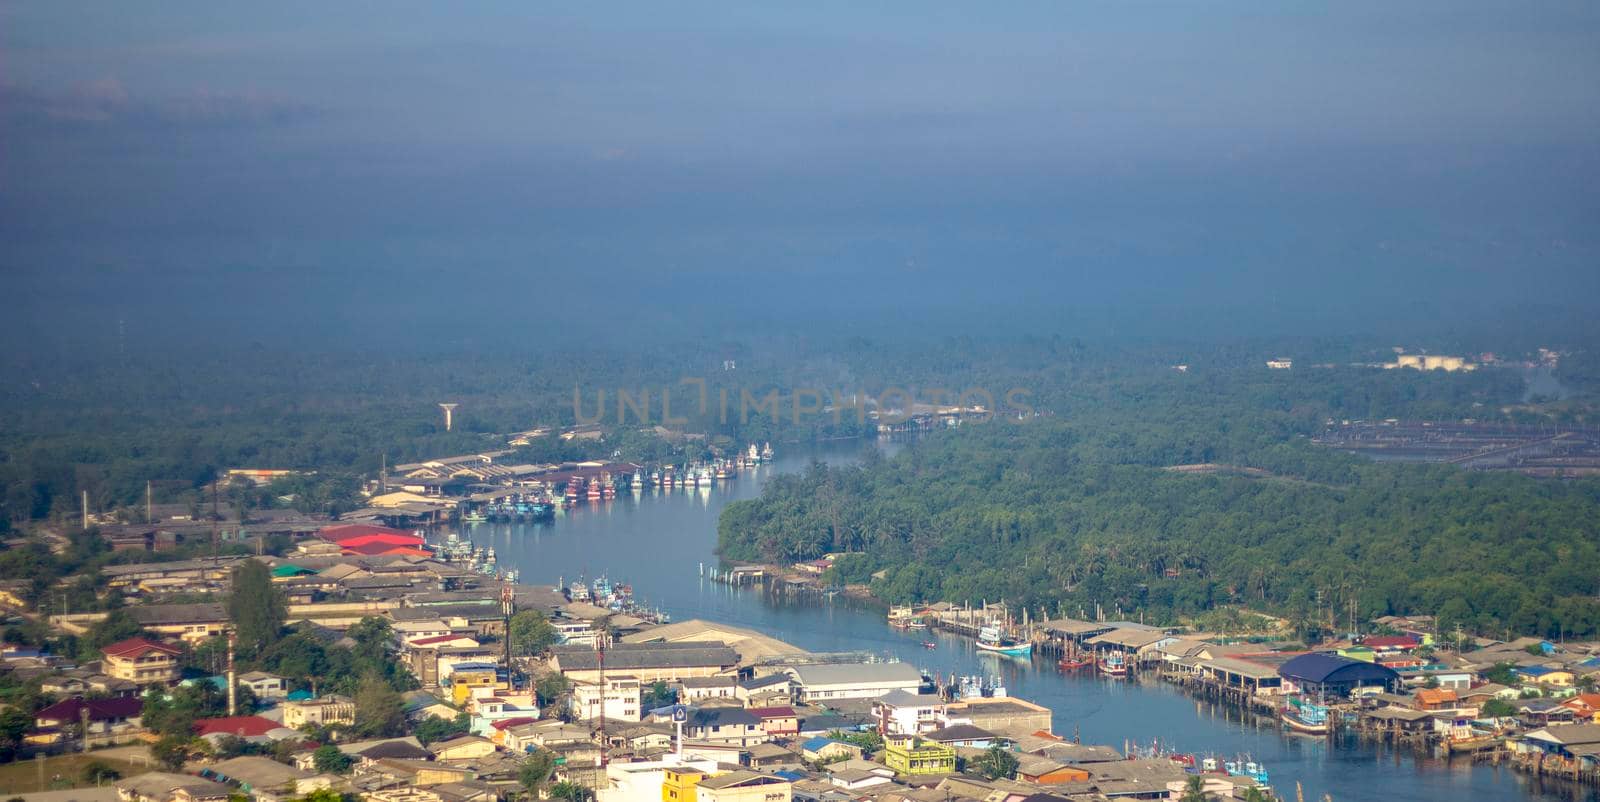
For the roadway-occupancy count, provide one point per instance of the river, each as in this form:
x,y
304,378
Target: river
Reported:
x,y
658,541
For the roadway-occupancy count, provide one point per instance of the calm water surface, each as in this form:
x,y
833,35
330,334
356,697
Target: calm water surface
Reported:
x,y
658,540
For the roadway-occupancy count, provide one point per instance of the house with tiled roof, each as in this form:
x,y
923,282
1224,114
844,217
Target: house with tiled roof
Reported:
x,y
142,661
240,726
109,720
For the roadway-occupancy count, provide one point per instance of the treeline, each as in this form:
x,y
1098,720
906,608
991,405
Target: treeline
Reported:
x,y
1066,514
108,426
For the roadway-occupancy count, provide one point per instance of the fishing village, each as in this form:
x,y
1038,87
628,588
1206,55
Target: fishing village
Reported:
x,y
575,679
604,690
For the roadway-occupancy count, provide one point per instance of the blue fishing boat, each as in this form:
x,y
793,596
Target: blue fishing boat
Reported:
x,y
991,639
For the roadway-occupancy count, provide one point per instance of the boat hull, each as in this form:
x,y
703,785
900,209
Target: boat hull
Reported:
x,y
1015,650
1298,724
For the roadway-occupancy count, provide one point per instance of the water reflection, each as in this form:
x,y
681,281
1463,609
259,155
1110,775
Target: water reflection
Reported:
x,y
658,540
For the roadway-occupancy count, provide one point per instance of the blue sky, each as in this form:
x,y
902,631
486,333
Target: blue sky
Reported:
x,y
1327,157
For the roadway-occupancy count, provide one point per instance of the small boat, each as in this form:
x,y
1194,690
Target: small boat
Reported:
x,y
1477,741
928,644
1113,664
474,517
991,639
1073,660
1304,716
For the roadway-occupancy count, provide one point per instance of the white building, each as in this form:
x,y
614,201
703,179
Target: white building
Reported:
x,y
853,680
619,698
641,782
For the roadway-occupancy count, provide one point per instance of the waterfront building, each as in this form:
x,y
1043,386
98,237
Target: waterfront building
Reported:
x,y
822,683
648,662
1322,674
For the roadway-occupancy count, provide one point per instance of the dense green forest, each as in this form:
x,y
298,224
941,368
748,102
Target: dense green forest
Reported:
x,y
1066,512
108,425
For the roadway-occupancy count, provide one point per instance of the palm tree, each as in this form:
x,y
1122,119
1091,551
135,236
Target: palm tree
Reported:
x,y
1194,790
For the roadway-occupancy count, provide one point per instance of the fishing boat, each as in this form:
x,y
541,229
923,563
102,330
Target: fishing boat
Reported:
x,y
592,492
1302,715
474,517
991,639
1074,660
721,474
1113,664
766,452
753,454
1248,768
1477,741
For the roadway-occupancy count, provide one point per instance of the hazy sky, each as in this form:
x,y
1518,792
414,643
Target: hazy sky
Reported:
x,y
363,162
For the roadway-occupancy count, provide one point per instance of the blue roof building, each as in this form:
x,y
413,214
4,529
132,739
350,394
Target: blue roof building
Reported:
x,y
1325,674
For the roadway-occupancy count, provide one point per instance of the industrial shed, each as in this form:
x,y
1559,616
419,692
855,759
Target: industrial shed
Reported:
x,y
1323,674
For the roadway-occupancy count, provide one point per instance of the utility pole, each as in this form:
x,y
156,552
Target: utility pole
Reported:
x,y
85,509
233,682
507,603
214,558
600,654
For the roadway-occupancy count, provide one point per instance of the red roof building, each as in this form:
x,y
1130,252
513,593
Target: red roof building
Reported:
x,y
135,648
508,723
371,541
341,532
777,721
242,726
142,661
70,711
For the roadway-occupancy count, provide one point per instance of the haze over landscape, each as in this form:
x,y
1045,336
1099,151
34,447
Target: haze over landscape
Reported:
x,y
907,402
193,166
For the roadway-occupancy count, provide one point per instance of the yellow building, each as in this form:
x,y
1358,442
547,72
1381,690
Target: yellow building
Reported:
x,y
745,786
678,785
478,680
141,661
320,712
909,754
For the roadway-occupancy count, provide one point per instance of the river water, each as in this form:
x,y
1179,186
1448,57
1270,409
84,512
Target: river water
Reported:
x,y
658,541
